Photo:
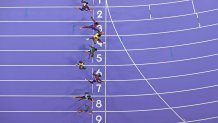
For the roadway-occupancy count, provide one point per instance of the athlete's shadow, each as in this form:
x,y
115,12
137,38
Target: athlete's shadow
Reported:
x,y
81,55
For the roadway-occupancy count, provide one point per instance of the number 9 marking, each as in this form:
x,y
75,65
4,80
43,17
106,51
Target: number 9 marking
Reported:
x,y
98,118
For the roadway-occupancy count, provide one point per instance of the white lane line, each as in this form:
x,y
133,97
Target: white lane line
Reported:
x,y
127,80
184,75
51,7
93,15
122,65
105,68
140,70
38,111
40,36
149,9
194,10
144,49
203,119
111,96
166,32
121,111
129,35
160,109
173,2
117,21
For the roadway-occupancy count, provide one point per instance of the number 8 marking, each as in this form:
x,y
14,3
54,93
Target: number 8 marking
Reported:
x,y
98,104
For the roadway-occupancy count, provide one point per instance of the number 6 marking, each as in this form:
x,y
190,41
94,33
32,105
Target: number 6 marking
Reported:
x,y
99,72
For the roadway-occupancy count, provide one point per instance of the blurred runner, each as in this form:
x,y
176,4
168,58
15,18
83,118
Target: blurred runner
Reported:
x,y
85,6
81,65
96,37
87,96
85,108
93,27
92,51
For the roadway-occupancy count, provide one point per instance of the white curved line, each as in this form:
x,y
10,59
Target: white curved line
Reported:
x,y
127,111
201,12
173,46
162,93
157,33
139,69
204,119
160,109
122,65
47,7
157,4
211,10
117,21
184,75
198,104
128,80
129,35
111,96
144,49
190,90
